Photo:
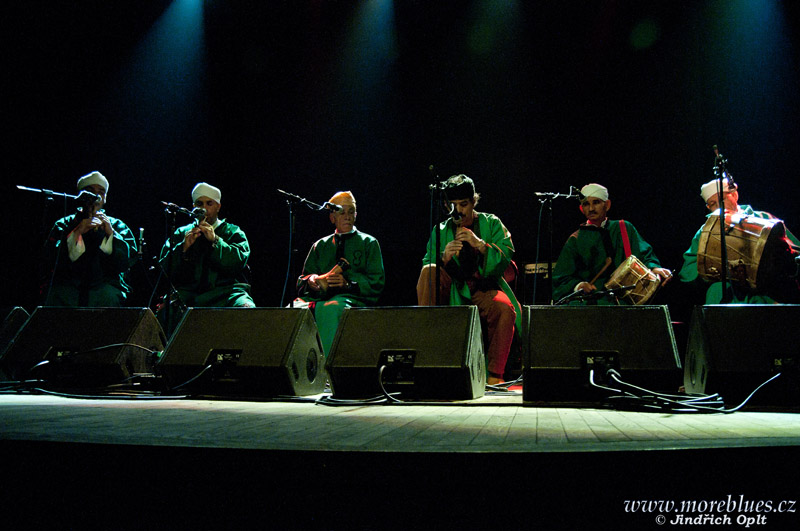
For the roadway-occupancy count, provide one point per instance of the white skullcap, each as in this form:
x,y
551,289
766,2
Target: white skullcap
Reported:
x,y
595,190
93,178
710,188
205,189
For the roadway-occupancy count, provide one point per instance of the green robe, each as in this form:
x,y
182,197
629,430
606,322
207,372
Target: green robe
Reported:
x,y
207,275
365,274
95,279
713,294
584,255
491,266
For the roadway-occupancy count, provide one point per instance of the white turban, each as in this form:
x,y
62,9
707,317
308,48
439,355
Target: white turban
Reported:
x,y
93,178
205,189
595,190
710,188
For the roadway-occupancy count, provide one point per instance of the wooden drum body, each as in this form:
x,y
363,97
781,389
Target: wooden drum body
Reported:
x,y
632,272
751,244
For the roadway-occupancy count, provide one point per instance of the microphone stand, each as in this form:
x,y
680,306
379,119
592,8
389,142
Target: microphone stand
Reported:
x,y
291,200
85,197
49,200
48,193
436,199
140,261
580,295
170,214
720,171
546,199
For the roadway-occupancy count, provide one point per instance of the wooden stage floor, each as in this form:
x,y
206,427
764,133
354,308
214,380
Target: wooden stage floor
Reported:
x,y
496,424
223,464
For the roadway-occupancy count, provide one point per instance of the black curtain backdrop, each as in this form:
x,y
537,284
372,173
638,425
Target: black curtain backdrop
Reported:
x,y
313,97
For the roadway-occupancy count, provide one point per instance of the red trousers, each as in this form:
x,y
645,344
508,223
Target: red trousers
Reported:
x,y
494,308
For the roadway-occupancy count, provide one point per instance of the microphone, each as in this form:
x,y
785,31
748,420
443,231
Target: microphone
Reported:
x,y
556,194
172,207
141,241
721,167
434,175
332,207
198,213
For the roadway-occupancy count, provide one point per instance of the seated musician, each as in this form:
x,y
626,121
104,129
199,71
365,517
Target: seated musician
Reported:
x,y
597,248
783,289
341,270
477,251
89,253
206,260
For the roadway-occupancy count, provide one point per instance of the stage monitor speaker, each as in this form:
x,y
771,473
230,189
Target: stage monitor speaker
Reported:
x,y
248,352
562,343
84,346
14,318
427,353
735,348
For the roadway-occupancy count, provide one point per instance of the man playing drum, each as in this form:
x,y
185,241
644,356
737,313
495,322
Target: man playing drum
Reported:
x,y
593,252
775,257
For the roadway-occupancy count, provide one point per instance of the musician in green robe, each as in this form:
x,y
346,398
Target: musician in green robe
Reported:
x,y
593,252
344,269
205,260
782,288
89,253
476,254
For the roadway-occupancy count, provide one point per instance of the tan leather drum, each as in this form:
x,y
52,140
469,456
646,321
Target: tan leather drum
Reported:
x,y
750,242
632,272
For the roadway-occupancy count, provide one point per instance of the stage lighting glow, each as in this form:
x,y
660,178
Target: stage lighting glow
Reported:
x,y
492,21
645,34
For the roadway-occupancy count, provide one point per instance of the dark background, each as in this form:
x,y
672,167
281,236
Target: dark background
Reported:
x,y
317,96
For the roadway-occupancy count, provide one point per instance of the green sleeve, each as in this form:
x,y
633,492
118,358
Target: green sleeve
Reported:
x,y
641,249
317,257
370,277
688,271
447,233
232,251
57,240
565,272
499,249
172,247
123,254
